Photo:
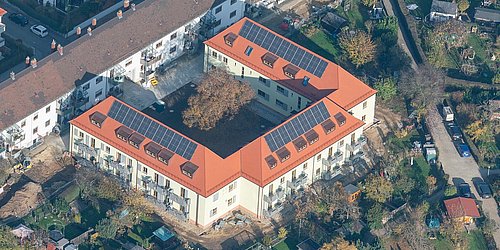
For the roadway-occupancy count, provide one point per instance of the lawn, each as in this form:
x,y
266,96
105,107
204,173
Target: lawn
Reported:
x,y
356,16
91,216
320,43
477,240
289,243
442,244
424,7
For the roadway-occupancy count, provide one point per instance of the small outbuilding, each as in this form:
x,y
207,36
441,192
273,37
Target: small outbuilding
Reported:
x,y
462,209
333,23
485,15
308,244
442,11
352,192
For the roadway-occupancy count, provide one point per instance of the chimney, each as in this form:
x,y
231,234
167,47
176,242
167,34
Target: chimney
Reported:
x,y
33,63
60,49
132,6
126,3
89,31
78,30
94,22
119,14
27,61
12,75
53,45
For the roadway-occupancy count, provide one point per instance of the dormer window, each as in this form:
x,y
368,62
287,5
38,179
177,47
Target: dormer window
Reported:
x,y
189,169
283,154
290,70
97,119
340,119
152,149
300,144
135,140
123,133
230,38
328,126
311,136
271,162
164,156
269,59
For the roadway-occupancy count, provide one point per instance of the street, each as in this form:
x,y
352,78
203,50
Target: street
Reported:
x,y
460,169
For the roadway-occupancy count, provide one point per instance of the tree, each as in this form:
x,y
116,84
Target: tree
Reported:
x,y
358,47
137,205
424,88
369,3
7,239
282,232
431,183
386,88
375,215
109,189
378,188
479,131
462,5
450,190
219,95
453,230
267,241
404,184
338,243
107,228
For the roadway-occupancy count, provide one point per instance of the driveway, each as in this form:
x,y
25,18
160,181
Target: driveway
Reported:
x,y
459,168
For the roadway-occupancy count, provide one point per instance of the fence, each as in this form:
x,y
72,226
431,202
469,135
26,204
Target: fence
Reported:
x,y
98,17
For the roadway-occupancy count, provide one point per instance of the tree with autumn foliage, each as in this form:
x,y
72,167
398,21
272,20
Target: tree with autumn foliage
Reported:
x,y
378,188
358,47
218,96
369,3
338,243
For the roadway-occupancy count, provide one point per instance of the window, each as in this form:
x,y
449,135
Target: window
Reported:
x,y
264,81
159,44
330,151
263,94
216,197
318,157
47,109
282,105
282,90
183,193
35,117
87,86
365,104
47,123
213,212
128,63
145,170
144,184
318,171
271,189
92,142
233,2
363,118
248,51
232,14
173,49
231,201
214,54
242,72
282,180
167,183
118,157
341,143
108,150
218,9
173,36
232,186
98,79
98,93
35,130
294,174
225,60
81,134
217,23
155,178
305,166
23,123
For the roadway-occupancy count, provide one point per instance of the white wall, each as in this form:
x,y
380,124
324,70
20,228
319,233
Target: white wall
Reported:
x,y
237,7
365,111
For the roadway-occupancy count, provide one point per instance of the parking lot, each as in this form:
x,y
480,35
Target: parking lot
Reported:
x,y
460,169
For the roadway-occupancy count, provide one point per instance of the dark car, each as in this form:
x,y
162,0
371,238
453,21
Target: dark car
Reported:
x,y
484,190
464,190
19,19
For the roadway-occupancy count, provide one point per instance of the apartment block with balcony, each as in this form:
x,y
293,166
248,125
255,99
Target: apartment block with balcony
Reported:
x,y
2,30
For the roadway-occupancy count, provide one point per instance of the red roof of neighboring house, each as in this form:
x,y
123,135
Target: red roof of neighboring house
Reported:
x,y
460,207
51,246
2,12
342,87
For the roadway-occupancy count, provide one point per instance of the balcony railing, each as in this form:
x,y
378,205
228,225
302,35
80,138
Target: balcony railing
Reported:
x,y
357,145
297,182
182,216
156,202
86,148
178,199
2,28
270,213
81,101
2,42
64,111
278,195
333,159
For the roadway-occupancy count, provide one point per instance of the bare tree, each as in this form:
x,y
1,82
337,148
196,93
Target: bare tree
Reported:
x,y
424,87
219,95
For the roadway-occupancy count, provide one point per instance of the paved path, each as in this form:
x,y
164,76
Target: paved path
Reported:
x,y
459,168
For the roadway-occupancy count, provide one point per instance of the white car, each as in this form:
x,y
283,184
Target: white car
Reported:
x,y
39,30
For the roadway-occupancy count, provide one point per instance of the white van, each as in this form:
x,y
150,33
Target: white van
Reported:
x,y
39,30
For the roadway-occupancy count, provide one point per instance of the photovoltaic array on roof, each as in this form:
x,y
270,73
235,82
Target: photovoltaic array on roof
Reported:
x,y
297,126
283,49
152,130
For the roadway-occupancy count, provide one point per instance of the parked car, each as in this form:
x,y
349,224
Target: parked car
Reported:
x,y
39,30
19,18
484,190
464,150
464,190
456,134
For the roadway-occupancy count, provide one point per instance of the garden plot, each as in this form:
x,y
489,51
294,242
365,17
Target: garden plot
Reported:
x,y
23,201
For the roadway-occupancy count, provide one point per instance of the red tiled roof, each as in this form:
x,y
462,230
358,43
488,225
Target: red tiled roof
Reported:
x,y
342,87
2,12
459,207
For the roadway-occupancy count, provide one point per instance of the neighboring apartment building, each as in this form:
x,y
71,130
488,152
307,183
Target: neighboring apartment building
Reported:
x,y
442,11
2,30
72,80
328,109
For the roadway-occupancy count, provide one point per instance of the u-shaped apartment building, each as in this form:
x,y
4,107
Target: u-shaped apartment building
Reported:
x,y
326,108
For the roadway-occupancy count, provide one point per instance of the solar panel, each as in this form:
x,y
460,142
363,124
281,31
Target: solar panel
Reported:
x,y
296,127
189,151
283,49
144,126
114,109
152,130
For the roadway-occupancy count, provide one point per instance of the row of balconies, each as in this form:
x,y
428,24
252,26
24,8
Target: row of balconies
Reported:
x,y
357,145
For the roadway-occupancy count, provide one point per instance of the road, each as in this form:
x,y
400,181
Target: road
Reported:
x,y
460,169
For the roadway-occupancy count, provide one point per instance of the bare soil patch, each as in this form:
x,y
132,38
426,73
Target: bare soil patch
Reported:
x,y
389,122
23,201
46,163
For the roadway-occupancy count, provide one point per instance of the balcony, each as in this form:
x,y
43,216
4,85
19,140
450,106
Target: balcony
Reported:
x,y
2,42
178,199
2,28
333,159
84,148
357,145
182,216
156,202
297,182
278,195
64,111
81,101
150,60
330,174
270,213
